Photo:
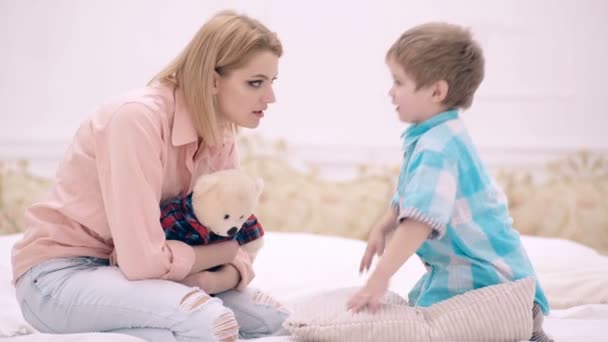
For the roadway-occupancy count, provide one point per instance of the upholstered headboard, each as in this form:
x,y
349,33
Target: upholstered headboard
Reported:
x,y
561,195
566,197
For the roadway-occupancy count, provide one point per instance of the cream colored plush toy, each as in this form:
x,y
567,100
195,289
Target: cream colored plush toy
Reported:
x,y
224,202
219,208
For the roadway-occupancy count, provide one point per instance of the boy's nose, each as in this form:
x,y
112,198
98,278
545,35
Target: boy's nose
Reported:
x,y
232,231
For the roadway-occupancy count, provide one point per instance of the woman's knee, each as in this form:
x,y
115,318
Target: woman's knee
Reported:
x,y
257,313
275,315
31,304
208,319
225,327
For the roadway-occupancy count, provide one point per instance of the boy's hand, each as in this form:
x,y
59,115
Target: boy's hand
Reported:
x,y
377,238
375,245
406,240
370,295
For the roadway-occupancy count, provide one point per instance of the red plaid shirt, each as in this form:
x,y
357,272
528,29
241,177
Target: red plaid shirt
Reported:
x,y
179,223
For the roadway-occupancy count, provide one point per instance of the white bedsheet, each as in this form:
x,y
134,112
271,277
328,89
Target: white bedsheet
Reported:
x,y
292,266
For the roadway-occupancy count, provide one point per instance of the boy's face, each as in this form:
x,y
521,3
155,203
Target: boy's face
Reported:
x,y
413,106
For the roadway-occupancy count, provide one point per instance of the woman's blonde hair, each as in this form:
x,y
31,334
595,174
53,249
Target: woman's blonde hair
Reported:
x,y
224,43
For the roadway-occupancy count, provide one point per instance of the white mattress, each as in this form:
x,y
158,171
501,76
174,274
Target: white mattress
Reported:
x,y
292,266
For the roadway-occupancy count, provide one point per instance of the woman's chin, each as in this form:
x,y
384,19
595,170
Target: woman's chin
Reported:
x,y
251,124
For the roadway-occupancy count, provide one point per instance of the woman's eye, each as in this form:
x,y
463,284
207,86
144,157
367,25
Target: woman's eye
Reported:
x,y
240,218
255,84
226,217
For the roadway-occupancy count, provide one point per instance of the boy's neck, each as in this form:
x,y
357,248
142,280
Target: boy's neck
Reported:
x,y
434,112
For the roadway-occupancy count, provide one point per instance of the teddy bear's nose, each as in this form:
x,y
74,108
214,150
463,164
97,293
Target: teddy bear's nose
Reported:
x,y
232,231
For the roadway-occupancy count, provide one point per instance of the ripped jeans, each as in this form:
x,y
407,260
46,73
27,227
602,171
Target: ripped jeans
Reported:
x,y
84,294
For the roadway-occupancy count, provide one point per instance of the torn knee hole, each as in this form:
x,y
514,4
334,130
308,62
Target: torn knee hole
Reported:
x,y
194,299
260,297
186,297
226,328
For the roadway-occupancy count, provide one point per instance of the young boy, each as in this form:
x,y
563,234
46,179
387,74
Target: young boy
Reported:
x,y
446,207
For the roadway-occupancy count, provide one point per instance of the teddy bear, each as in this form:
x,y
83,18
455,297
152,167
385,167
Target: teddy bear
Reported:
x,y
219,208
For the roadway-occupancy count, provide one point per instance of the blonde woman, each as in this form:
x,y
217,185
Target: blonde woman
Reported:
x,y
94,256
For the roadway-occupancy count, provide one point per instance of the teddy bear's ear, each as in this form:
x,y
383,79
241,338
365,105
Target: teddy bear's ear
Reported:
x,y
205,183
259,185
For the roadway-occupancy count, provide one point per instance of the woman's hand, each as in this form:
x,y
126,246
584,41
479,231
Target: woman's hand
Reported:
x,y
242,262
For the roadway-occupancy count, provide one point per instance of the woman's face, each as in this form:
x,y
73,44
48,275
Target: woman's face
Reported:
x,y
244,94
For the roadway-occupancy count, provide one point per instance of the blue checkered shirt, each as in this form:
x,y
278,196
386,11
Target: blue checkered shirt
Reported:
x,y
444,184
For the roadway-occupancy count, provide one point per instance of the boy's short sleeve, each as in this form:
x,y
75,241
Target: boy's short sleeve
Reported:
x,y
427,192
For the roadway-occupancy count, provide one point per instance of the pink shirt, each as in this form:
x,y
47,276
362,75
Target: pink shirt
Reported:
x,y
131,155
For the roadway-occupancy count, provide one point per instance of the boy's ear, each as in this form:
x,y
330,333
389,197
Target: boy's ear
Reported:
x,y
440,91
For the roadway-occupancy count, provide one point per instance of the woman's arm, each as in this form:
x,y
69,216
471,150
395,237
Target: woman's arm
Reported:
x,y
226,278
129,151
208,256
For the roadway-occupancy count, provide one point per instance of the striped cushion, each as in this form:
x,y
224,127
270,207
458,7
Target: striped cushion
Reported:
x,y
495,313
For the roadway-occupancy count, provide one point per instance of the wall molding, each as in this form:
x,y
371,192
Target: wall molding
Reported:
x,y
43,156
32,150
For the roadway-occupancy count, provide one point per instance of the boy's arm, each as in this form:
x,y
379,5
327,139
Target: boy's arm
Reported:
x,y
408,237
377,238
388,222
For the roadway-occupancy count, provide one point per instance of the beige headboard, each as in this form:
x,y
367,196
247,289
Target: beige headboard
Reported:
x,y
566,198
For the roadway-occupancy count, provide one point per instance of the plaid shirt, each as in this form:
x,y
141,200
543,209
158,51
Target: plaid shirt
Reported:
x,y
444,183
179,223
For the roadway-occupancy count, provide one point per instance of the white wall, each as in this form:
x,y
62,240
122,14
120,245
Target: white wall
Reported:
x,y
546,66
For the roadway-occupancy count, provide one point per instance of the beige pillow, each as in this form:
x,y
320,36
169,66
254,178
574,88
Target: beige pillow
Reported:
x,y
494,313
296,201
570,273
565,199
18,190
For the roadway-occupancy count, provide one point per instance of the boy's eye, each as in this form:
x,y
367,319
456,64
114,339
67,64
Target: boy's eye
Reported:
x,y
396,82
256,83
226,217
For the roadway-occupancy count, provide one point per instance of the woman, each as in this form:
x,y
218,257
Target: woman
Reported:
x,y
94,256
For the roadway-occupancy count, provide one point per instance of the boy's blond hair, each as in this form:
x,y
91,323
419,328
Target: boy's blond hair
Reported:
x,y
439,51
224,43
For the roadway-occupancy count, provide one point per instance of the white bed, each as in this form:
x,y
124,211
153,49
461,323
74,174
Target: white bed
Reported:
x,y
293,266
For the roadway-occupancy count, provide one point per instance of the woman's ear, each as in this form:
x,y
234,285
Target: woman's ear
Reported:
x,y
217,78
440,91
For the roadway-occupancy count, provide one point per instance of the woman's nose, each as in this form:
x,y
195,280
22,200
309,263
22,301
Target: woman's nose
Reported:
x,y
269,96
